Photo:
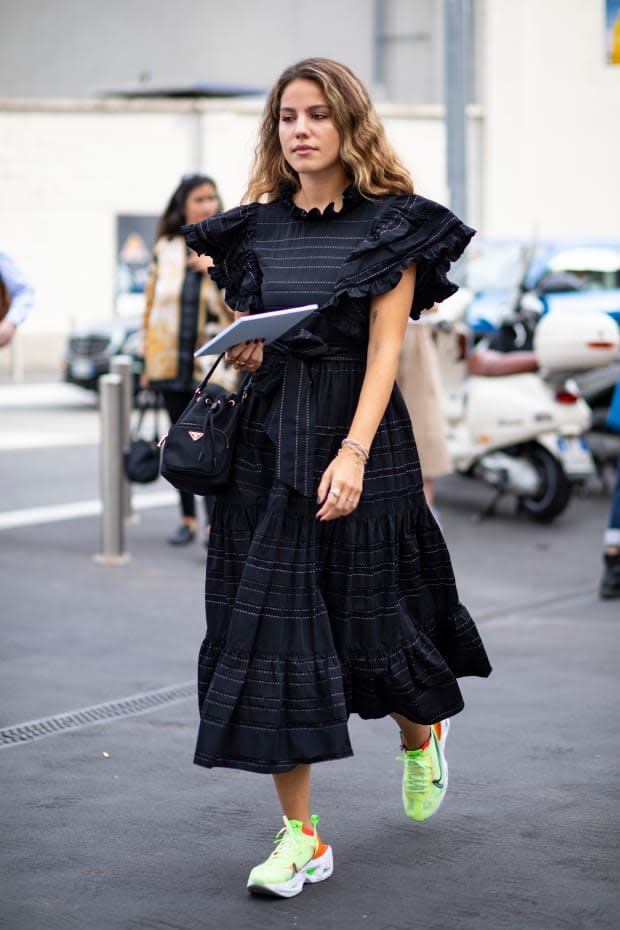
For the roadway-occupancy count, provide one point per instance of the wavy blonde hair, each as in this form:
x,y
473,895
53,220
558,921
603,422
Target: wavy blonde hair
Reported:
x,y
367,156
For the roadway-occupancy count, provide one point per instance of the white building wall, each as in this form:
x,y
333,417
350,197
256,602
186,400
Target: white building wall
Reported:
x,y
552,121
543,160
67,169
65,173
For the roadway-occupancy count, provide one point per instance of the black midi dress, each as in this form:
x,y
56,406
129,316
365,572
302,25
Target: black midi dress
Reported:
x,y
308,622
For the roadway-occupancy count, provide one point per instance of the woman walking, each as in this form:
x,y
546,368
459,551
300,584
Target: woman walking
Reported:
x,y
183,309
329,586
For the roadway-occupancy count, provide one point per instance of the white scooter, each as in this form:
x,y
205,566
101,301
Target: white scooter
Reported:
x,y
509,423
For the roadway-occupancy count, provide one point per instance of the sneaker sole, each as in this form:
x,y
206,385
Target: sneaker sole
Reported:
x,y
317,870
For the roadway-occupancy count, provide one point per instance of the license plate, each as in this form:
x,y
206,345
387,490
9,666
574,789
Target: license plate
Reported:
x,y
576,457
82,368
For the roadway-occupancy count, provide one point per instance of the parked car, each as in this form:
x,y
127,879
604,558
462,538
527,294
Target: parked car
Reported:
x,y
90,350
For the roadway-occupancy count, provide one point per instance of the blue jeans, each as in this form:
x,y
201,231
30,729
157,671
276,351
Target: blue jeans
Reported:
x,y
612,533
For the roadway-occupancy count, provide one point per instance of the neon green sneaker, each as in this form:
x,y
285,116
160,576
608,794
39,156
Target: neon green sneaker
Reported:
x,y
298,858
425,775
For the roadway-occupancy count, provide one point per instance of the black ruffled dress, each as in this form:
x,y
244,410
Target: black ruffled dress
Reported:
x,y
308,622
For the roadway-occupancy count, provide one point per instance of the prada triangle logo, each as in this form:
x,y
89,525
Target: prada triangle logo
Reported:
x,y
195,435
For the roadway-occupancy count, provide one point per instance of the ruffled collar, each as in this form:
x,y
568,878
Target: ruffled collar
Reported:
x,y
350,198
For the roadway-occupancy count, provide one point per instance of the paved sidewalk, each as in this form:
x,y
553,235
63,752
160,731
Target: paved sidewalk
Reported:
x,y
47,414
57,394
110,827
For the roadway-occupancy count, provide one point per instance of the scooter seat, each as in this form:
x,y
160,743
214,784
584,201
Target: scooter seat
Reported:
x,y
489,363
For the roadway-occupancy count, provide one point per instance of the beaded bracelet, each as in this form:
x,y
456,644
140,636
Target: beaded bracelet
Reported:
x,y
354,452
354,444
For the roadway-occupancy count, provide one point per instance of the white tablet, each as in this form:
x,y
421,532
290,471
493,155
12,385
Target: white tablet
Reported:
x,y
268,326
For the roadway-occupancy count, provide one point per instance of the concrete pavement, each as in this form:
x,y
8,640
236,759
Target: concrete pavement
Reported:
x,y
110,827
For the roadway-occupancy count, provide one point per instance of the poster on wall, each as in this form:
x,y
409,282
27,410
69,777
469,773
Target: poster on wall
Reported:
x,y
612,32
135,237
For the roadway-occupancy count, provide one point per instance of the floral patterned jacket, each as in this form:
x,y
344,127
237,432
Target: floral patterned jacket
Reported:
x,y
162,315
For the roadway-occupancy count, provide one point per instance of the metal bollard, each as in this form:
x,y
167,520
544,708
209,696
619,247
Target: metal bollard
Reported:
x,y
111,472
121,365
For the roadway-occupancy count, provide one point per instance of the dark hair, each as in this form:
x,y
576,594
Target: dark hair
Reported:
x,y
173,217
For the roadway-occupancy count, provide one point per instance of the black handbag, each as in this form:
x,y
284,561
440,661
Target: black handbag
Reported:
x,y
197,451
142,455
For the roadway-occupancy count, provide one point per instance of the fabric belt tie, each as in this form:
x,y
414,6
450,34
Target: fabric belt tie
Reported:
x,y
291,419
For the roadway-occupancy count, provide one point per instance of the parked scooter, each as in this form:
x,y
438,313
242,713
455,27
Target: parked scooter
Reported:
x,y
507,425
596,384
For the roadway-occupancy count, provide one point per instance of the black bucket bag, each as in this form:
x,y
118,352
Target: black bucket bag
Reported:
x,y
197,451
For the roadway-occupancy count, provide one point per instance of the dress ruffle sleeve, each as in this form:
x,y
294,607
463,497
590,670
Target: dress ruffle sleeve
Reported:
x,y
226,238
407,229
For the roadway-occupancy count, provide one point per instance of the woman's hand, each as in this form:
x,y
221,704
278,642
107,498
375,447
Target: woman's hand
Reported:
x,y
341,486
247,356
199,262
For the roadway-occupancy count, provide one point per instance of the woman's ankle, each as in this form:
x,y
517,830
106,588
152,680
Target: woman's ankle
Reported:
x,y
414,735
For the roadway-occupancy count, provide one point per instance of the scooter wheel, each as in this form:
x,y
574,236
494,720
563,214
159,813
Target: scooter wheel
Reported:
x,y
554,490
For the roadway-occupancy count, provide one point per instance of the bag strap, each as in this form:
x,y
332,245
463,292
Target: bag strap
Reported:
x,y
210,372
136,429
157,408
153,400
147,401
242,386
156,430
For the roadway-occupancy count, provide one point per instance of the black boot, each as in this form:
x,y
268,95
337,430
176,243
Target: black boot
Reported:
x,y
610,583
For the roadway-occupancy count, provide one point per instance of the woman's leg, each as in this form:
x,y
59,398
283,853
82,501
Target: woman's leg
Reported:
x,y
188,509
294,792
414,734
299,856
612,535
